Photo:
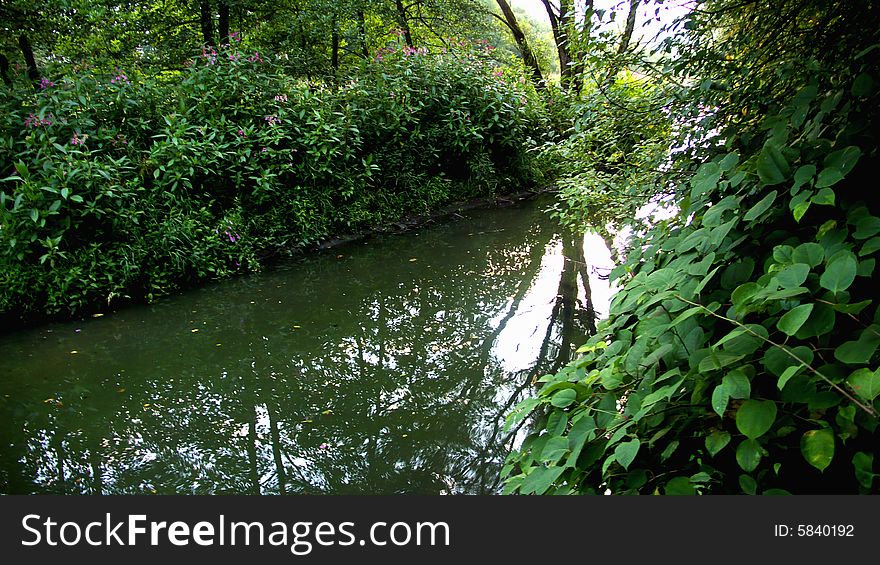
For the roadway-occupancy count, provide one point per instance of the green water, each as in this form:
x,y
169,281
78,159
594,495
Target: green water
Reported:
x,y
384,366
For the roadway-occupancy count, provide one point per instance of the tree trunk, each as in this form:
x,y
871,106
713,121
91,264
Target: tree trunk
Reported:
x,y
362,30
28,52
559,24
206,19
630,26
4,70
334,46
527,54
223,22
404,24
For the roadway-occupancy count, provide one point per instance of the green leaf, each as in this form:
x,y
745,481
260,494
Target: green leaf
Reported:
x,y
748,484
844,159
563,398
817,447
839,274
870,246
748,455
771,166
762,206
720,397
35,214
829,177
554,449
716,441
679,486
811,254
862,86
860,351
794,275
820,322
540,479
825,197
626,452
792,321
865,383
755,417
864,466
867,227
776,360
787,375
802,176
737,384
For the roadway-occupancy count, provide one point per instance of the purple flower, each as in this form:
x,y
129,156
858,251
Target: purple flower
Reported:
x,y
46,83
241,133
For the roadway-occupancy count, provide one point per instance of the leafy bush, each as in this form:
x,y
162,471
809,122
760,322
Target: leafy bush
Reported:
x,y
117,187
741,353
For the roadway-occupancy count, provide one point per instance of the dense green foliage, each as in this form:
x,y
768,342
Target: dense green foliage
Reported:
x,y
741,353
118,186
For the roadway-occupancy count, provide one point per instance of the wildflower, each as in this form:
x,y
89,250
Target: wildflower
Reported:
x,y
46,83
281,98
77,140
255,58
324,446
272,120
241,133
33,121
235,36
498,73
264,150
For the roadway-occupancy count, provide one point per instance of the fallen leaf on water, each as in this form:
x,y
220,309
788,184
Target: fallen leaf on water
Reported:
x,y
120,390
219,344
327,412
340,256
147,405
305,422
405,435
74,352
194,330
97,315
413,260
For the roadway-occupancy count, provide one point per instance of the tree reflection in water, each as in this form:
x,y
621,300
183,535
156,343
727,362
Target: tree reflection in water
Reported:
x,y
382,367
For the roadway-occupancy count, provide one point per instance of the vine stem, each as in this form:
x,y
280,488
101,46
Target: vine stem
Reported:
x,y
868,409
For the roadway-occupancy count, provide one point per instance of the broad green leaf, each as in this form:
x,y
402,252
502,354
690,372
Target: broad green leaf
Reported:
x,y
679,486
802,176
540,479
870,246
817,447
839,274
862,86
825,197
705,180
776,360
829,177
867,227
794,275
626,452
762,206
720,397
748,485
792,321
554,449
737,384
743,340
748,455
771,166
863,463
787,375
755,417
865,383
811,254
716,441
844,159
859,351
563,398
729,162
820,322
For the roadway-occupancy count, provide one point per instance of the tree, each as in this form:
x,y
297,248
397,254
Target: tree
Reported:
x,y
528,56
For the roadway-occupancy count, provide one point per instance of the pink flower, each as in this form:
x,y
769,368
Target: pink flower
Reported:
x,y
45,83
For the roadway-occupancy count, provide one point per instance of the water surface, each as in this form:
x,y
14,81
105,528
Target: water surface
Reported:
x,y
384,366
